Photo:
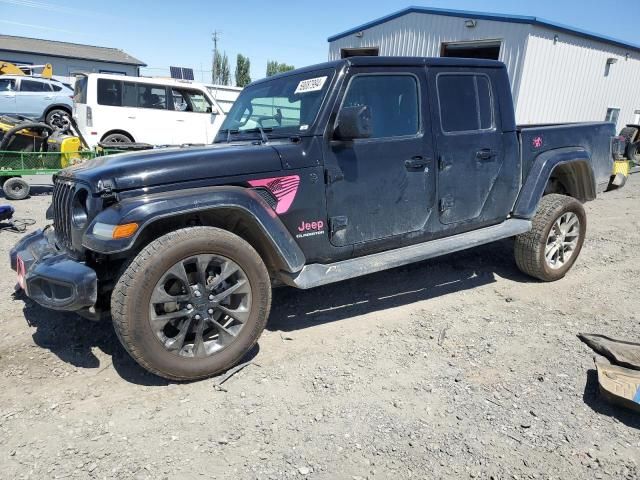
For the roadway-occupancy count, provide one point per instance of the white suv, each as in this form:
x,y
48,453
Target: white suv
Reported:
x,y
37,98
159,111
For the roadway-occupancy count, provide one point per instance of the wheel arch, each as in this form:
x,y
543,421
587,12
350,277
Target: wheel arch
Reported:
x,y
117,130
565,170
235,209
57,106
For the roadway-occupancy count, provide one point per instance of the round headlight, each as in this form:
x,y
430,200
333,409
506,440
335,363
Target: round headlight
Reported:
x,y
79,213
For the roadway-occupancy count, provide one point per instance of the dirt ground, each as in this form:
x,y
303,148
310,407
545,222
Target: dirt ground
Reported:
x,y
459,367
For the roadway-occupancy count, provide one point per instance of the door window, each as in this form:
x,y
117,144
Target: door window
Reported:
x,y
7,85
392,101
152,96
466,104
190,101
34,86
129,94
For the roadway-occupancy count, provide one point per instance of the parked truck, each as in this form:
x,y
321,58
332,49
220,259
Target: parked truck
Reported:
x,y
317,175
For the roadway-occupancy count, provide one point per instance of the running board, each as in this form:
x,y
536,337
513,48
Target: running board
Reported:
x,y
317,274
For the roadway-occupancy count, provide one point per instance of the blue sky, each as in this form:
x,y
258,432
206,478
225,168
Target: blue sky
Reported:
x,y
179,32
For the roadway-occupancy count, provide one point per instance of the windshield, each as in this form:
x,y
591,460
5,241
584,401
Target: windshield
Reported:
x,y
283,106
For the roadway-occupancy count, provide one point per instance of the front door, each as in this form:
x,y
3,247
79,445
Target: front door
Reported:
x,y
382,186
470,147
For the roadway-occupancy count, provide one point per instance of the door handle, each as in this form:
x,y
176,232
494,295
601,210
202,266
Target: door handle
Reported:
x,y
415,163
48,98
132,117
485,154
180,120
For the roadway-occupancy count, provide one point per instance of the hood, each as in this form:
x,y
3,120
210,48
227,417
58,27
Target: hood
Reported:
x,y
173,165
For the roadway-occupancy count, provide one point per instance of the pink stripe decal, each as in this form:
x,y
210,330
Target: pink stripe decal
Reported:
x,y
283,188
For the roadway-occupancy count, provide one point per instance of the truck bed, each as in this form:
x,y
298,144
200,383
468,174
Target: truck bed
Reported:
x,y
594,137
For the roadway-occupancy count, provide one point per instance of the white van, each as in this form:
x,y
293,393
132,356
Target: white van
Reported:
x,y
159,111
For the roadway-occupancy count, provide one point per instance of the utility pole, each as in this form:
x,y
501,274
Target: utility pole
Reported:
x,y
215,36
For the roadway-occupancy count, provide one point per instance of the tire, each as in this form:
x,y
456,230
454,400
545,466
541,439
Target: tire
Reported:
x,y
15,188
50,118
629,133
117,138
530,247
161,350
633,152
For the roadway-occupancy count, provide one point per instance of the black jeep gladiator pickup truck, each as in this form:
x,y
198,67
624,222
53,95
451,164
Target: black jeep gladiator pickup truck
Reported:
x,y
317,175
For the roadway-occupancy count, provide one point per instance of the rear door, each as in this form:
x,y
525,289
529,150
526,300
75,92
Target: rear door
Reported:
x,y
7,96
154,121
469,146
33,97
383,186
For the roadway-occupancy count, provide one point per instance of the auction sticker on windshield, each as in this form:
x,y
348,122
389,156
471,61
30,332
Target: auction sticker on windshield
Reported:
x,y
310,85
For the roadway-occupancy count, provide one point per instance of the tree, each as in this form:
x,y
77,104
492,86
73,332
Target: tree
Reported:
x,y
221,73
243,67
273,67
225,74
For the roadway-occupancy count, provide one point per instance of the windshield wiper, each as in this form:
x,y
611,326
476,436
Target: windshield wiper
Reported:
x,y
229,132
262,131
235,131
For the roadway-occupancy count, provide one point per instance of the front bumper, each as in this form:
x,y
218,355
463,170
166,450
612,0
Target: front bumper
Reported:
x,y
51,277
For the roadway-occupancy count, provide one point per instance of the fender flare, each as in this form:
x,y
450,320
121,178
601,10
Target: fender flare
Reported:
x,y
145,210
574,163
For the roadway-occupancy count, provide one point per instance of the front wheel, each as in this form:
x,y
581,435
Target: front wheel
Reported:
x,y
192,303
550,249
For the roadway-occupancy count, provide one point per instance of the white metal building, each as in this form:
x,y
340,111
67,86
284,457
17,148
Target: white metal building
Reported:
x,y
558,73
67,58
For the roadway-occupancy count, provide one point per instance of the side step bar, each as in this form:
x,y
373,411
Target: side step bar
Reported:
x,y
317,274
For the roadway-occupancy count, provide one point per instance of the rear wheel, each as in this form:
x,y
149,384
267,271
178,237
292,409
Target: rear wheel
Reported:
x,y
117,138
192,303
56,117
550,249
16,188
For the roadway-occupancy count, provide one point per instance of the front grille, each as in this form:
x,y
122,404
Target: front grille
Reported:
x,y
61,201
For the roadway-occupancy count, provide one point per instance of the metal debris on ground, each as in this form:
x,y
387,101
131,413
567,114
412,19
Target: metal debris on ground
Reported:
x,y
618,367
230,373
443,335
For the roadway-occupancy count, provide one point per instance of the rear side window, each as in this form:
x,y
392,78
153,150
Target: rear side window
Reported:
x,y
33,86
109,92
466,103
392,100
56,87
7,85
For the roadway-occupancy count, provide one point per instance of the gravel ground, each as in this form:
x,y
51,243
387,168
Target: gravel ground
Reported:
x,y
459,367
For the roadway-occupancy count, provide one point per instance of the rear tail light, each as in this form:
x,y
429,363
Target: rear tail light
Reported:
x,y
89,116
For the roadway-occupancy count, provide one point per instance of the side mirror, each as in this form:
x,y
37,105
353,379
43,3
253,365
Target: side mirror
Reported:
x,y
353,122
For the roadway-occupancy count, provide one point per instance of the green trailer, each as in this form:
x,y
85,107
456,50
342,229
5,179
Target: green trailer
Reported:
x,y
14,165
